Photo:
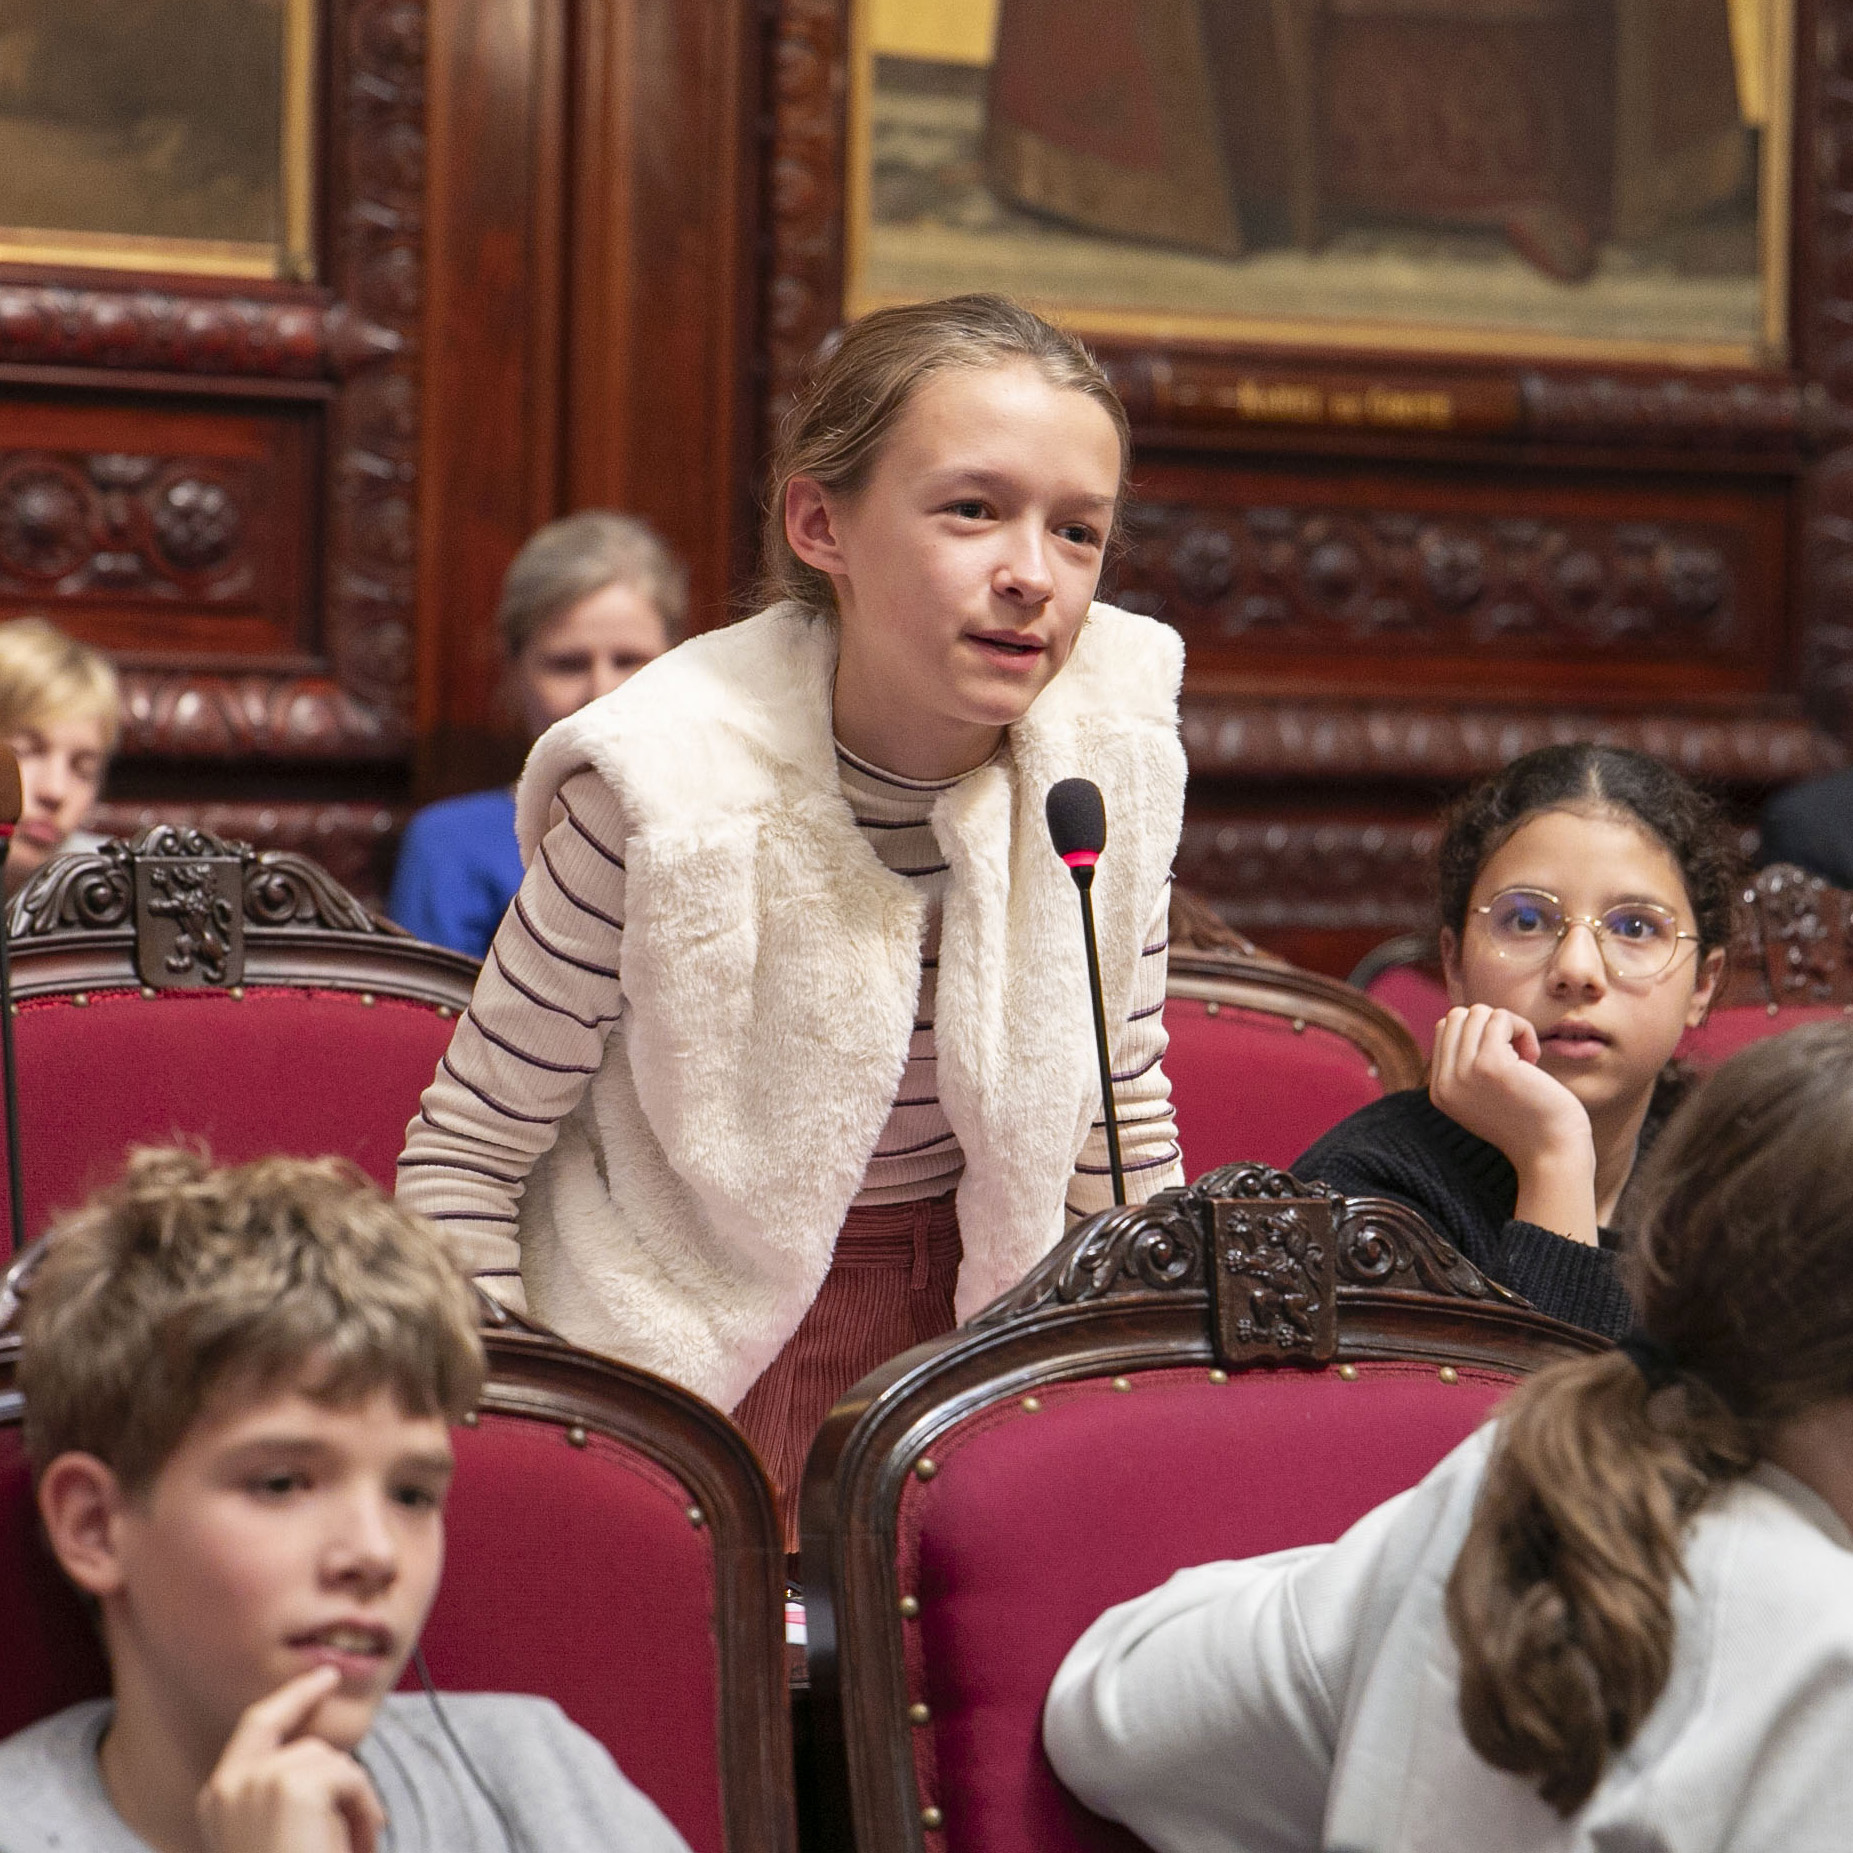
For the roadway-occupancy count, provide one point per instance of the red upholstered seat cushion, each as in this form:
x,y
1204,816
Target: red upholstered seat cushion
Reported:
x,y
1248,1086
571,1572
1037,1521
278,1070
1417,995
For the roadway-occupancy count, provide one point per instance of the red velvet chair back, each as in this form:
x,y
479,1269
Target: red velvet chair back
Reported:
x,y
1264,1057
611,1545
971,1507
315,1032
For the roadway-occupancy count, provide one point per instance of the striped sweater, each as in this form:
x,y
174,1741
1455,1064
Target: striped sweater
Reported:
x,y
550,992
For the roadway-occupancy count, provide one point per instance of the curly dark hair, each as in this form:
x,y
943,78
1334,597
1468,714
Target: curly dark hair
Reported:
x,y
1675,813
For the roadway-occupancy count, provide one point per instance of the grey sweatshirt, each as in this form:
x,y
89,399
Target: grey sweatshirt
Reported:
x,y
558,1790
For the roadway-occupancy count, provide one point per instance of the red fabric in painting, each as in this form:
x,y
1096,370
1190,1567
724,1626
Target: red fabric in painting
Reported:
x,y
278,1070
1248,1087
1036,1522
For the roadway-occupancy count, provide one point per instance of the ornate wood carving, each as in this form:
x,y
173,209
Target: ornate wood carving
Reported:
x,y
168,528
162,883
1227,736
1273,1281
804,288
1263,1227
180,536
1298,576
353,842
1792,943
165,331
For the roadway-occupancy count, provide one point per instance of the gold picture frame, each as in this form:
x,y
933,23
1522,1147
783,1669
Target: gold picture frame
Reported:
x,y
56,134
993,203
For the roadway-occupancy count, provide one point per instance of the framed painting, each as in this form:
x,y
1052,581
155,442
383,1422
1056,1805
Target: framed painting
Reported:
x,y
161,135
1600,180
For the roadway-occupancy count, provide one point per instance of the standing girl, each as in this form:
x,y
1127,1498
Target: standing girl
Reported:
x,y
1586,907
1621,1615
838,1088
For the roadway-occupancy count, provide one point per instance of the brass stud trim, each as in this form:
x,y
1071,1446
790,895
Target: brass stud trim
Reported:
x,y
910,1608
445,1011
932,1819
1219,1376
470,1418
1772,1009
1448,1374
697,1517
238,991
1122,1383
576,1435
1031,1404
1299,1026
148,990
925,1467
919,1714
366,997
1349,1372
1212,1008
80,998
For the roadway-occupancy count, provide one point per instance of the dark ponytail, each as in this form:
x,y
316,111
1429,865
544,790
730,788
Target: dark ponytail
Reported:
x,y
1560,1603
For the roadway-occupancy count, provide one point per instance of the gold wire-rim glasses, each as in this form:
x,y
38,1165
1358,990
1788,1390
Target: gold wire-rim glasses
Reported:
x,y
1541,948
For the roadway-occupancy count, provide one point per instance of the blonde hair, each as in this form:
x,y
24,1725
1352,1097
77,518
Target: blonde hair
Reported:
x,y
180,1279
841,420
1560,1602
578,555
47,676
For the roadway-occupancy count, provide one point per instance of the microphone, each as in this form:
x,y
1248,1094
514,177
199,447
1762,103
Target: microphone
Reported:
x,y
12,802
1078,828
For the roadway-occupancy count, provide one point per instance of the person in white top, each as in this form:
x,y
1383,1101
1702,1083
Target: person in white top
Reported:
x,y
1618,1618
783,1059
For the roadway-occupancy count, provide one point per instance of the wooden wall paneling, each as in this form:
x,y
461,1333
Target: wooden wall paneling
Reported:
x,y
1395,572
662,399
138,360
494,357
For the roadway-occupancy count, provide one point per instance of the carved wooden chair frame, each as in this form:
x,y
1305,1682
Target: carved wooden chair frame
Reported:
x,y
1228,979
182,909
1300,1275
538,1376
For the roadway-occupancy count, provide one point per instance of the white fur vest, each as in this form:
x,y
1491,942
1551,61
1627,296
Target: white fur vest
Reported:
x,y
686,1215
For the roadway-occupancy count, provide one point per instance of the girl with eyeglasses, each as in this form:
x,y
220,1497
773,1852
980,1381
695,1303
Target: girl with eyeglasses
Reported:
x,y
1586,906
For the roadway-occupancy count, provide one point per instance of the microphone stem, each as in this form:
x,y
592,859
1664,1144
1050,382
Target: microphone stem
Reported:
x,y
1084,880
9,1074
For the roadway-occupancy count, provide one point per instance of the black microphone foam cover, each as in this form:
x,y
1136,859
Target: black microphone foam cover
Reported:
x,y
1077,817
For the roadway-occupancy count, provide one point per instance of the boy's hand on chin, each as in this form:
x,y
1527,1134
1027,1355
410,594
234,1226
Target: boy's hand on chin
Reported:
x,y
1484,1075
275,1791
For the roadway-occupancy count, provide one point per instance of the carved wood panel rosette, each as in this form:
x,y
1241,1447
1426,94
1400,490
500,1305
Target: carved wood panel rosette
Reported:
x,y
170,528
1792,942
182,534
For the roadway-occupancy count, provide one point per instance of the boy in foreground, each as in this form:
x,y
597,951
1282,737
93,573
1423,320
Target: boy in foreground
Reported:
x,y
239,1386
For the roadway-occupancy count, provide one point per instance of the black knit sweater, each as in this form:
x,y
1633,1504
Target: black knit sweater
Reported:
x,y
1404,1147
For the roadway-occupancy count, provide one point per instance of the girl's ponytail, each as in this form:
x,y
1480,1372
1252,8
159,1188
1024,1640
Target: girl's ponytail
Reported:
x,y
1560,1604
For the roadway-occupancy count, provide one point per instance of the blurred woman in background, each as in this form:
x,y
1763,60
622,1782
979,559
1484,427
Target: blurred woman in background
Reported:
x,y
587,602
